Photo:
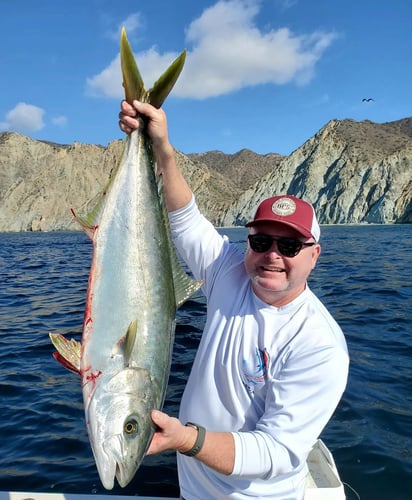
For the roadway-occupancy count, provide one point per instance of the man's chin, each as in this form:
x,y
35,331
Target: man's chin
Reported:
x,y
267,283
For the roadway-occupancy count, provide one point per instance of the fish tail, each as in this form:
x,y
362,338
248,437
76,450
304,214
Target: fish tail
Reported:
x,y
133,82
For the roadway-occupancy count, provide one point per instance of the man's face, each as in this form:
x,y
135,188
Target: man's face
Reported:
x,y
276,279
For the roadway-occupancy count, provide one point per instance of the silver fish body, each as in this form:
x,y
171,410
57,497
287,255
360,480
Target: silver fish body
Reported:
x,y
135,286
124,373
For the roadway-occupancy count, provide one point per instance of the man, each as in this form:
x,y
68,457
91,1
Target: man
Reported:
x,y
272,363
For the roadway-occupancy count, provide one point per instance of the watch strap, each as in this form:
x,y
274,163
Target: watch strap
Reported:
x,y
200,440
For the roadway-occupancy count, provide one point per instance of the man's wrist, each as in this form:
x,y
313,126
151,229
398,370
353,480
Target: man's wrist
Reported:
x,y
200,440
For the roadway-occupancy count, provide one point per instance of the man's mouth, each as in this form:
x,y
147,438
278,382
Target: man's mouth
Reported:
x,y
273,269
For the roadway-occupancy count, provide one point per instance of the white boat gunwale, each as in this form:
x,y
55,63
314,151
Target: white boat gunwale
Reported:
x,y
322,483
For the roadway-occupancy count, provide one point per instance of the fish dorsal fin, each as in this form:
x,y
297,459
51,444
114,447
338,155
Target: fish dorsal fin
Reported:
x,y
68,352
132,80
184,285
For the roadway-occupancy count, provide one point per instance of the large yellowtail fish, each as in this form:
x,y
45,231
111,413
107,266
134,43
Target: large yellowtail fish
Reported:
x,y
135,287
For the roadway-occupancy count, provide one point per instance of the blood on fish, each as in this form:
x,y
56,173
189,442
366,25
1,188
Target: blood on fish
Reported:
x,y
92,377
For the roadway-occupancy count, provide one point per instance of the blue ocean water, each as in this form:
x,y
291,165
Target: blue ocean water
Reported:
x,y
364,277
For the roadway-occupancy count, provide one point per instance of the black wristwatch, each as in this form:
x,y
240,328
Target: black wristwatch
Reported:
x,y
201,434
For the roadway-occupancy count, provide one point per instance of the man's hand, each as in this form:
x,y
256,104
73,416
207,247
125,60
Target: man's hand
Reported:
x,y
155,120
170,434
177,192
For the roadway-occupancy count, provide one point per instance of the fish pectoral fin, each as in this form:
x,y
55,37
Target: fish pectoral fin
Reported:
x,y
68,352
130,340
126,343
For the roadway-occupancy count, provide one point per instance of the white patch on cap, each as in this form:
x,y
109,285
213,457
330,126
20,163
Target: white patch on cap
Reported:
x,y
284,206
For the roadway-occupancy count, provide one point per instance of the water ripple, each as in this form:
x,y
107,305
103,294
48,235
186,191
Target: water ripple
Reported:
x,y
363,276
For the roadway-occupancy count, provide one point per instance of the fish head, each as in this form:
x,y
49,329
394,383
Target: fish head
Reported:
x,y
119,424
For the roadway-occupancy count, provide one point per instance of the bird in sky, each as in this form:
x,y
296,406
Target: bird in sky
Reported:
x,y
369,99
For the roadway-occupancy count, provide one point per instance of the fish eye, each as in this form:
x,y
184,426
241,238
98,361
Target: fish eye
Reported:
x,y
130,426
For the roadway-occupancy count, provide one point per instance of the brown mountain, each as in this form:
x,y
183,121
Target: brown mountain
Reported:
x,y
353,172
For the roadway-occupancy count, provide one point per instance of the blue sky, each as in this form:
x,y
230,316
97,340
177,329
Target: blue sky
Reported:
x,y
260,74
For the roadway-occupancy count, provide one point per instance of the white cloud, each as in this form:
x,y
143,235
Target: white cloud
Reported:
x,y
318,101
24,118
228,52
60,121
231,52
108,82
132,23
287,4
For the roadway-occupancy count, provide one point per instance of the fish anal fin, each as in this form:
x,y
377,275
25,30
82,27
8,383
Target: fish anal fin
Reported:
x,y
87,225
89,221
68,352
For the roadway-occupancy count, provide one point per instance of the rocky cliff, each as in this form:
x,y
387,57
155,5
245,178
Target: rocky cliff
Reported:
x,y
40,182
353,172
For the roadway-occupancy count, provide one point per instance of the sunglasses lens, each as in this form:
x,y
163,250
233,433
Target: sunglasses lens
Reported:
x,y
260,242
289,247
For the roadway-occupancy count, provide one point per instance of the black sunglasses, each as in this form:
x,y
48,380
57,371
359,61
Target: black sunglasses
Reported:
x,y
289,247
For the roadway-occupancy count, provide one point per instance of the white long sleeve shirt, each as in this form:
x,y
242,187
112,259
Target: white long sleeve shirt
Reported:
x,y
271,376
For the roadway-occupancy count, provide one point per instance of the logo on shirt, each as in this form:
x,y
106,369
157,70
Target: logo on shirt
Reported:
x,y
255,370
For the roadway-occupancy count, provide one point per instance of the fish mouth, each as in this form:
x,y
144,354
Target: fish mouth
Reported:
x,y
113,464
107,469
108,463
122,478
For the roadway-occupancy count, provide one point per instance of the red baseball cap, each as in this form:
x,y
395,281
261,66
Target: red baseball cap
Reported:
x,y
291,211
